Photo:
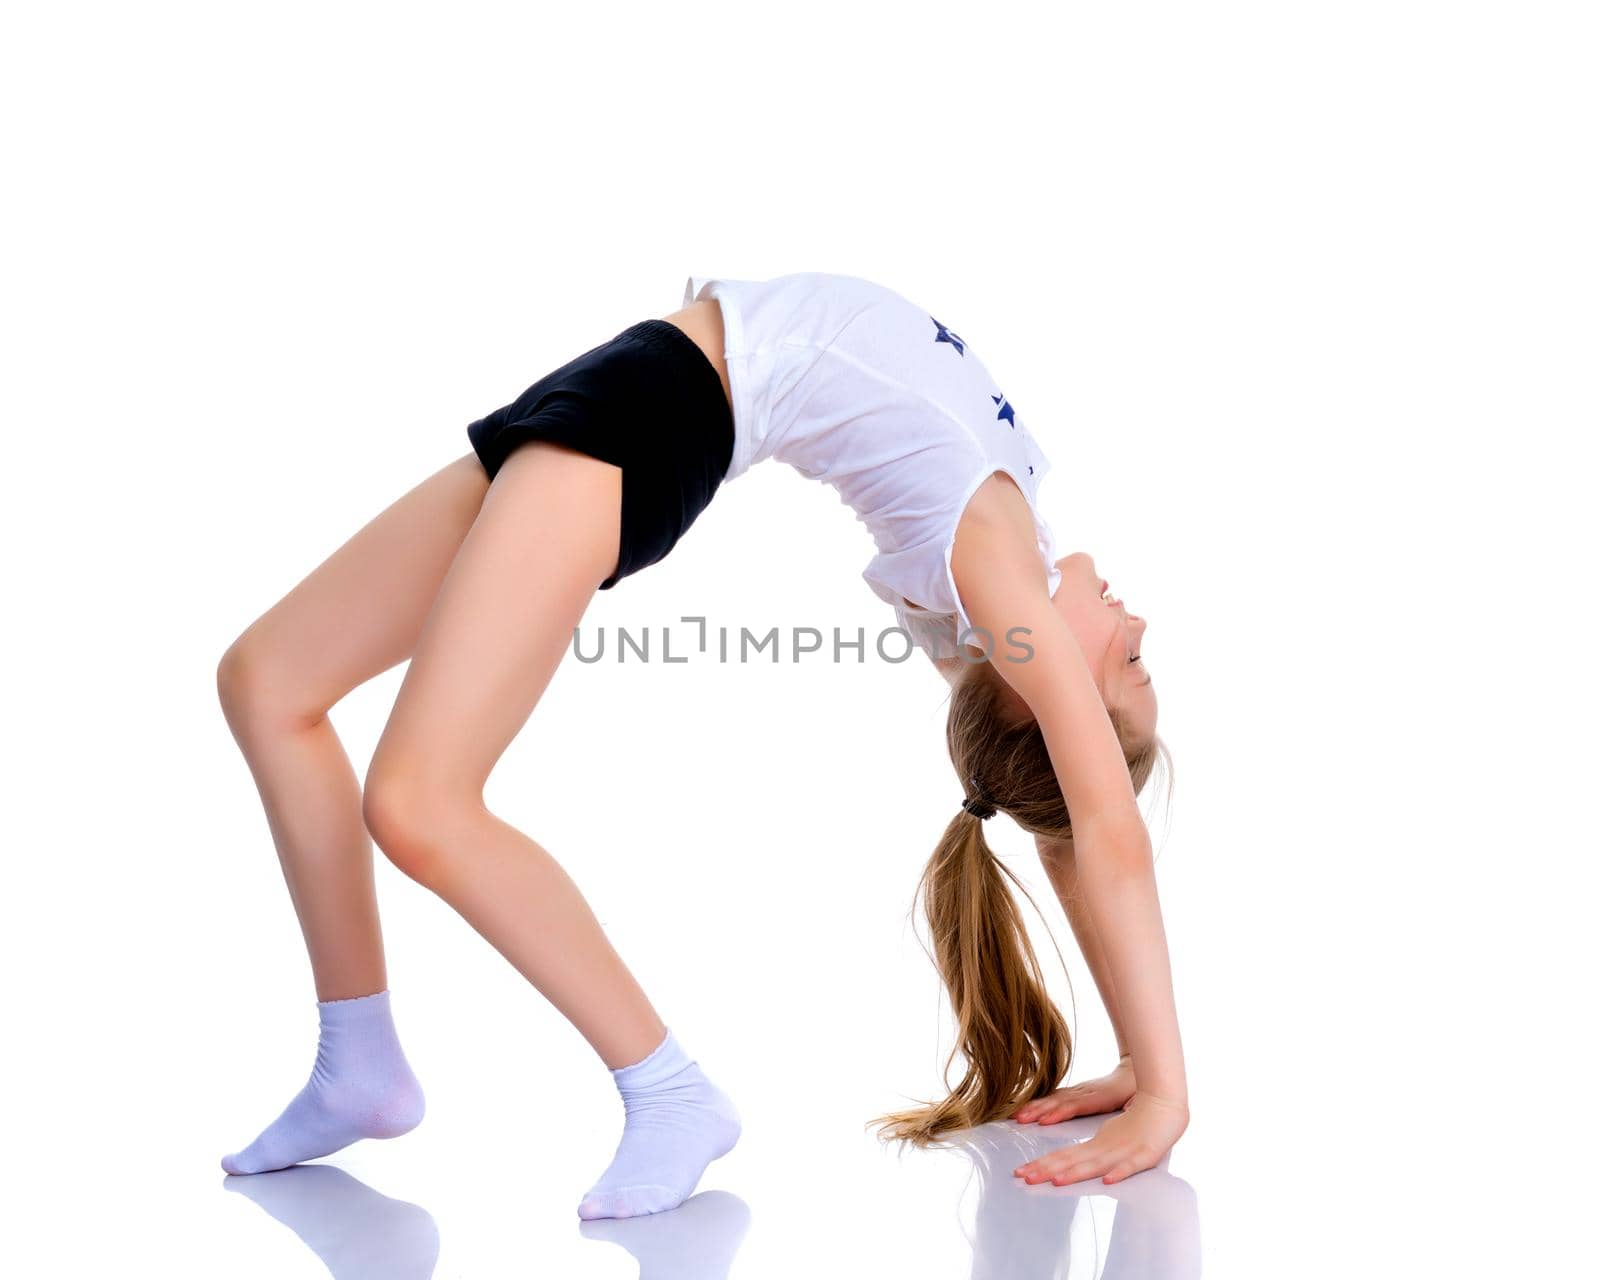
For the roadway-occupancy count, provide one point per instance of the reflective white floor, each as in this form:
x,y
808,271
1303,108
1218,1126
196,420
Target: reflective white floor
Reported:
x,y
1146,1227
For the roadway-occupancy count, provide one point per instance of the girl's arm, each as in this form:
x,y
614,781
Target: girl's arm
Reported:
x,y
1111,1091
1001,580
1060,861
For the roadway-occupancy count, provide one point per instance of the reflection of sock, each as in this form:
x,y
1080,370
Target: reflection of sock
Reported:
x,y
358,1233
696,1241
360,1087
677,1123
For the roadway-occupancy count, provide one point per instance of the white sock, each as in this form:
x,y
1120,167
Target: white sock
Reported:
x,y
677,1122
360,1087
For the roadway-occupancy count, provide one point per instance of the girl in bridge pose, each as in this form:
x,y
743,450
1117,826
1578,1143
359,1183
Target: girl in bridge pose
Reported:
x,y
479,576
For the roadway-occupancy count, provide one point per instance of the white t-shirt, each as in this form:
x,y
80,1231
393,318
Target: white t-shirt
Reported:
x,y
854,385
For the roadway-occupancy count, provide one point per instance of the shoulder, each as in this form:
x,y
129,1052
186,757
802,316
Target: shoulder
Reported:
x,y
996,534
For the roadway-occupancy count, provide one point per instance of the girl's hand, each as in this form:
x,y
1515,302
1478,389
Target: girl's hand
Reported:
x,y
1129,1142
1109,1093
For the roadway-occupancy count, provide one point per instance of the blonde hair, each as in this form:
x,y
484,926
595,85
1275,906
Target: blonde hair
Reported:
x,y
1015,1041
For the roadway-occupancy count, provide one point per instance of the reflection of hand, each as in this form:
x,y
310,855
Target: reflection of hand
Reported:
x,y
1129,1142
1092,1097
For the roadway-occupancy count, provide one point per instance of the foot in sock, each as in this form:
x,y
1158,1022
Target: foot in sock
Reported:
x,y
677,1122
360,1087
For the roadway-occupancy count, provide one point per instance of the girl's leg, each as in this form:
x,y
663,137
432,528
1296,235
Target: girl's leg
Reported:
x,y
546,537
356,615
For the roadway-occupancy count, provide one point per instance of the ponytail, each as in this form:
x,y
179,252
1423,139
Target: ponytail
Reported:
x,y
1014,1039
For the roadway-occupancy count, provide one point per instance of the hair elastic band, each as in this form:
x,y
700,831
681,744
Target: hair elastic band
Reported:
x,y
978,803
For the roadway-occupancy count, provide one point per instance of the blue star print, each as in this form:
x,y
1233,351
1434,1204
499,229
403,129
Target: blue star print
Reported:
x,y
950,336
1006,411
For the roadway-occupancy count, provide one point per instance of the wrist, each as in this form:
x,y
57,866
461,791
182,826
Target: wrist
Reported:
x,y
1177,1100
1170,1086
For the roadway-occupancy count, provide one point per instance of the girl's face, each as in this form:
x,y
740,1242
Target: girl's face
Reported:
x,y
1110,638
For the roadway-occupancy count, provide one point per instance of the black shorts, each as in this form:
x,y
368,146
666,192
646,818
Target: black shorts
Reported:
x,y
648,401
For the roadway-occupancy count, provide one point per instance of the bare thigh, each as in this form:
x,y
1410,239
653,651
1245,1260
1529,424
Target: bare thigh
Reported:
x,y
361,610
546,537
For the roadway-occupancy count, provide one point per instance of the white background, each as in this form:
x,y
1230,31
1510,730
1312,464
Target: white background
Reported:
x,y
1300,299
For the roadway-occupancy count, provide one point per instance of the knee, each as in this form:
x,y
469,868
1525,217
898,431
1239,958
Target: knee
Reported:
x,y
260,690
245,683
417,823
